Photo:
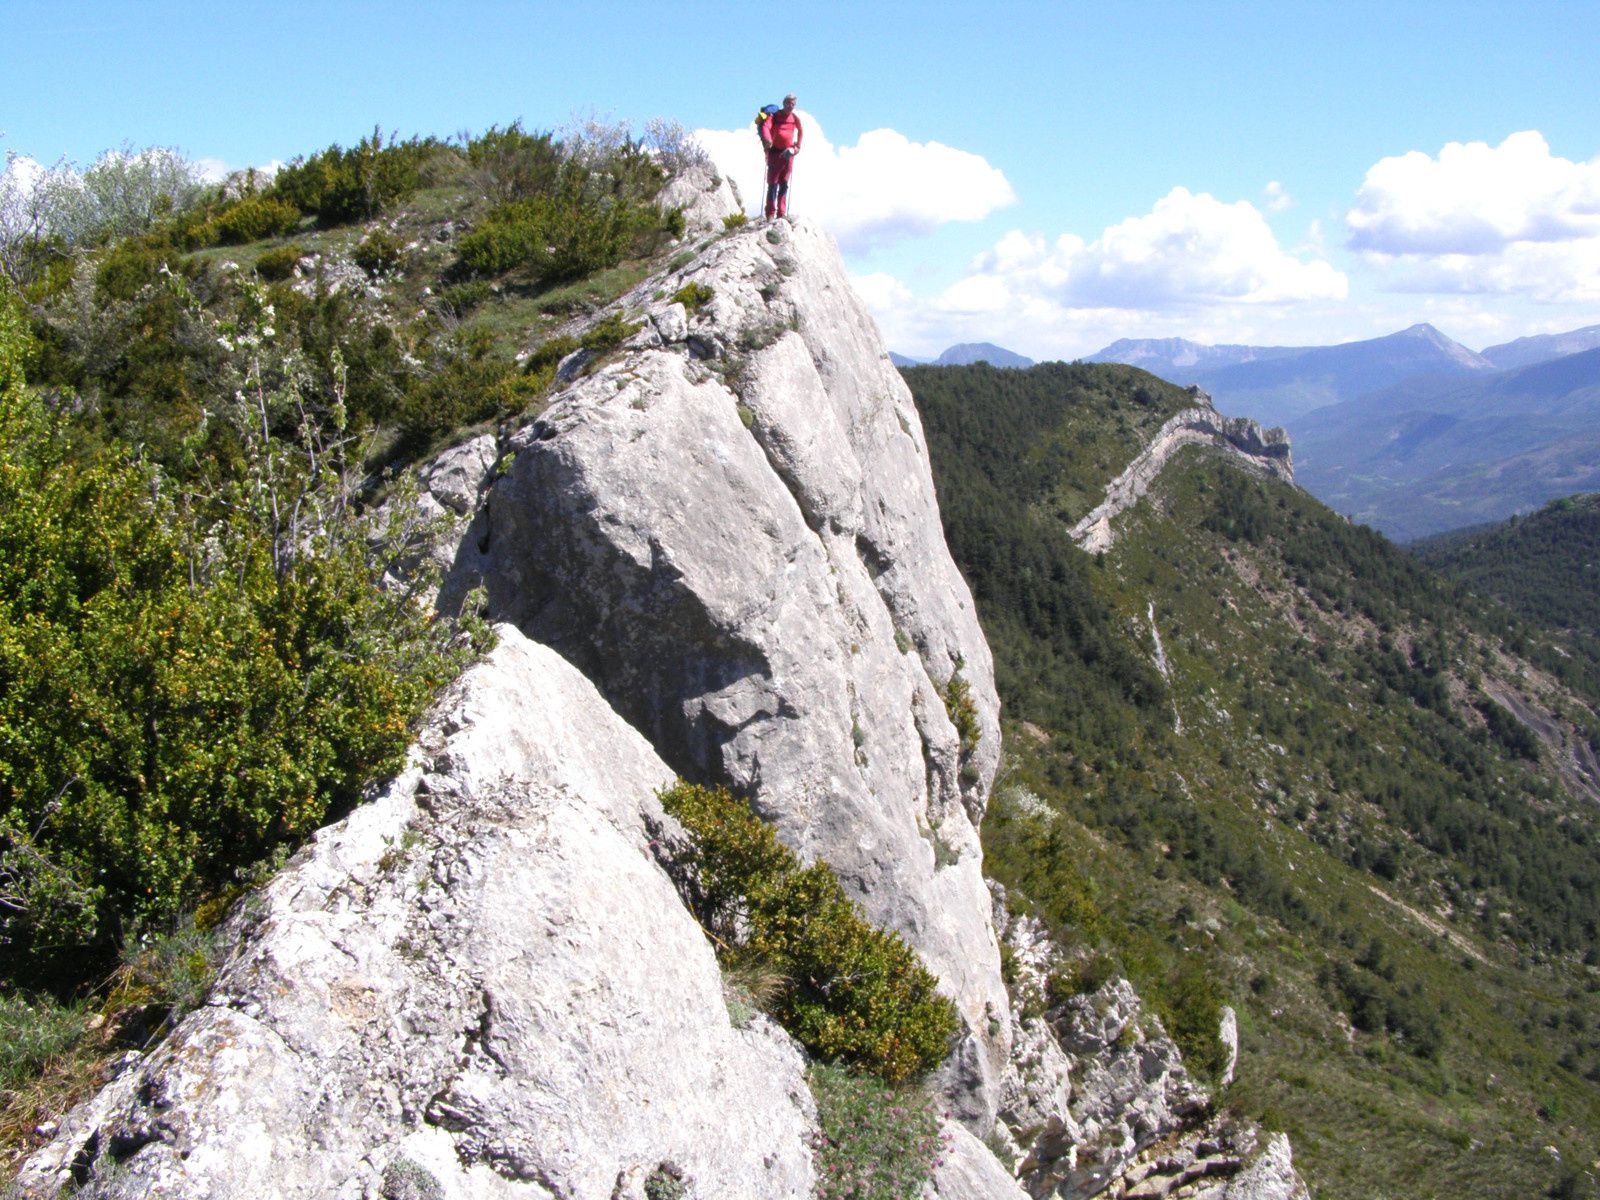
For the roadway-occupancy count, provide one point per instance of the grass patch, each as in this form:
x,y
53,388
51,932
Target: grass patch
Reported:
x,y
874,1141
54,1055
35,1031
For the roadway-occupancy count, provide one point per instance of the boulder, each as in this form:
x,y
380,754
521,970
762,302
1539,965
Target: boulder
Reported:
x,y
1228,1035
705,197
967,1170
481,984
457,477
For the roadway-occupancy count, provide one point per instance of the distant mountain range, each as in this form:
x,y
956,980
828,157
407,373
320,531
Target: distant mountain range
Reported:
x,y
1435,454
1276,384
1524,352
965,355
1412,433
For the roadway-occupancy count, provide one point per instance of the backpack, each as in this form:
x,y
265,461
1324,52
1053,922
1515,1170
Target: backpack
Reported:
x,y
767,112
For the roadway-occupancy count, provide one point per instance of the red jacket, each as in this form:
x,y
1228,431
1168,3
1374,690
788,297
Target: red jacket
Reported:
x,y
782,131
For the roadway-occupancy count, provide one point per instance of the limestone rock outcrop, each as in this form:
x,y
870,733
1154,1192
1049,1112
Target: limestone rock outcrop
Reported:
x,y
1096,1099
1265,451
481,984
1093,1079
730,527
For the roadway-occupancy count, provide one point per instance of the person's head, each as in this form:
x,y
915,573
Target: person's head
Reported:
x,y
788,102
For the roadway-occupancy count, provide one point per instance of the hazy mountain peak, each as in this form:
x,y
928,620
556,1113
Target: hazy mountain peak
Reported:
x,y
1422,331
967,353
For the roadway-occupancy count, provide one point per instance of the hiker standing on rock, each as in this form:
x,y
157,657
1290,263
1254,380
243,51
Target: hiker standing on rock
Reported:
x,y
780,136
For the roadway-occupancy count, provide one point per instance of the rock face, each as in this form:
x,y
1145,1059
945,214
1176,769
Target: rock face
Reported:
x,y
1220,1161
1093,1079
1266,451
1096,1098
479,985
730,527
1228,1035
1131,1089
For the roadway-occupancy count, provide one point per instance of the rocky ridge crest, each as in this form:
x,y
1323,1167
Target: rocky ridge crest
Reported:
x,y
717,553
1265,451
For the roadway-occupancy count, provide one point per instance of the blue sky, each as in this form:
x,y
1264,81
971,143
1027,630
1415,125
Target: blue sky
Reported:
x,y
1047,176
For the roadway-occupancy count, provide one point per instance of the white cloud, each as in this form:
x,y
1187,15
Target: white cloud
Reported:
x,y
1506,219
1192,262
1314,243
1276,197
883,188
1188,250
882,291
211,170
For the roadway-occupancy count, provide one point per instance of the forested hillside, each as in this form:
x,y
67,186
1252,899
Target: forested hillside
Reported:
x,y
1544,566
1258,756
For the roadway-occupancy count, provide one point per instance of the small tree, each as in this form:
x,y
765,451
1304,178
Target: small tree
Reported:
x,y
125,192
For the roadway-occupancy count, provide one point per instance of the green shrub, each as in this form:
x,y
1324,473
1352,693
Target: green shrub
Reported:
x,y
963,710
280,263
188,680
1189,1003
135,346
406,1179
378,252
1079,978
510,164
132,265
509,237
582,224
551,352
468,383
349,350
338,186
735,221
540,369
850,992
694,296
462,298
252,218
872,1142
666,1183
610,333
